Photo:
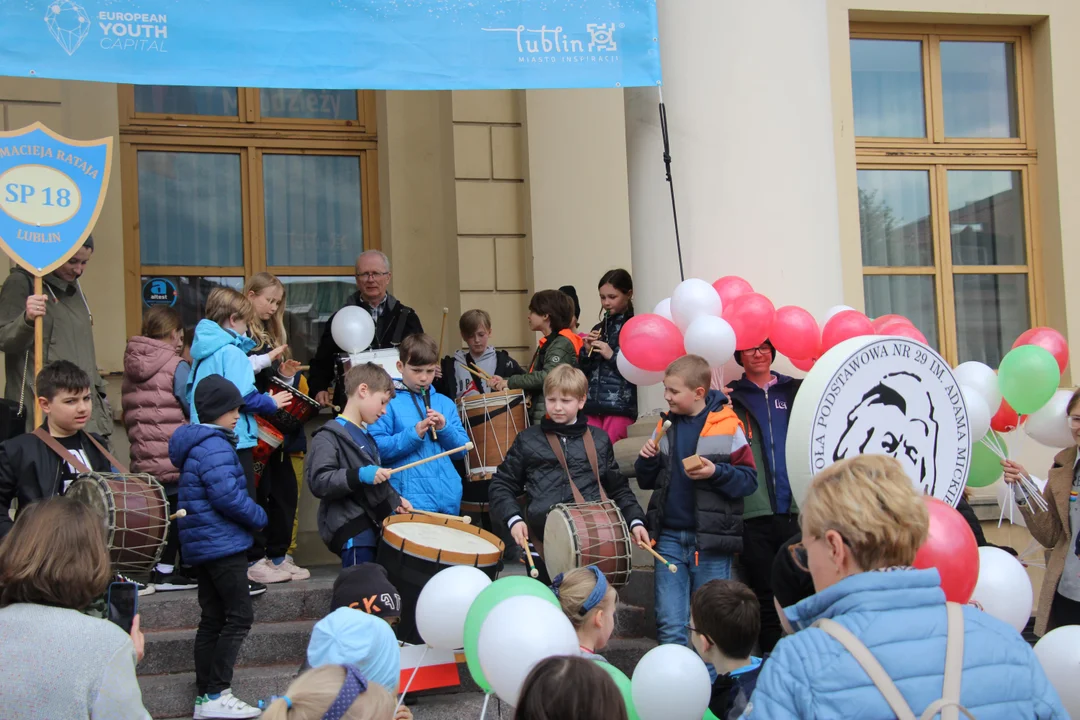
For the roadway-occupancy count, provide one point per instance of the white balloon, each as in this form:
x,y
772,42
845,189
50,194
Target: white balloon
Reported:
x,y
641,378
1059,653
693,298
1004,588
518,633
1049,425
663,309
712,338
835,310
978,413
671,683
444,602
981,378
352,329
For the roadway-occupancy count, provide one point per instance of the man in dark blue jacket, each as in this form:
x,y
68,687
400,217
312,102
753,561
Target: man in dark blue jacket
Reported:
x,y
762,399
215,536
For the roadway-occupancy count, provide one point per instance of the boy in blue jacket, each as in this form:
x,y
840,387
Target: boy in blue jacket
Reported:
x,y
215,536
419,423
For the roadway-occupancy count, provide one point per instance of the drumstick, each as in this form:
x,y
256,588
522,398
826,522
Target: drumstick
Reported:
x,y
670,565
533,572
466,446
460,518
482,375
657,437
178,514
442,331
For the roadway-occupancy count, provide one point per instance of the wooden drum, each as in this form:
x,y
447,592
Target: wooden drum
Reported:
x,y
588,534
493,421
135,512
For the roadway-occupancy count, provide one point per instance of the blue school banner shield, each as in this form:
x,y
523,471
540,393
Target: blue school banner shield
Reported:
x,y
51,192
335,44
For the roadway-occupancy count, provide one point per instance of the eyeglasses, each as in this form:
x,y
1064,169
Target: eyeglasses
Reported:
x,y
760,350
371,275
1074,421
691,628
799,556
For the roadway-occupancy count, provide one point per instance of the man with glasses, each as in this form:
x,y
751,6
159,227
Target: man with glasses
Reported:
x,y
394,321
762,399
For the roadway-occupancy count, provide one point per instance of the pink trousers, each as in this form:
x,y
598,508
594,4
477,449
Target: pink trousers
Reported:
x,y
615,426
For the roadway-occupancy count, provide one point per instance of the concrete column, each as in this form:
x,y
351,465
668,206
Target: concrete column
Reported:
x,y
746,86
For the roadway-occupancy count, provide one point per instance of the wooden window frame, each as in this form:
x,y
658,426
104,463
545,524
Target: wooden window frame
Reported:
x,y
252,141
937,154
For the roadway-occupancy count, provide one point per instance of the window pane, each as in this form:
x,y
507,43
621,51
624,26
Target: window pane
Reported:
x,y
986,217
190,209
310,104
313,212
894,218
182,100
190,293
991,311
978,85
887,88
912,296
309,303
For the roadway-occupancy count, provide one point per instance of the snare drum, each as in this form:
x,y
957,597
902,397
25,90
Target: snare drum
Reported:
x,y
269,441
135,512
291,419
493,421
588,534
415,547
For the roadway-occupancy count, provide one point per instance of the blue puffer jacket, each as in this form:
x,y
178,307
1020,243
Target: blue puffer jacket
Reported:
x,y
900,616
434,486
217,351
609,392
213,491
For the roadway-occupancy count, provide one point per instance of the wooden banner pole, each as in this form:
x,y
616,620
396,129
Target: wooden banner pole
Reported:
x,y
39,351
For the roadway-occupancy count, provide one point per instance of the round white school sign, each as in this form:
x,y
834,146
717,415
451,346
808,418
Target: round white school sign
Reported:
x,y
887,396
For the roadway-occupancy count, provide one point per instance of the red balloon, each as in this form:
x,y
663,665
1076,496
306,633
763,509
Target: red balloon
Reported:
x,y
879,321
903,329
1050,340
651,342
795,333
803,364
844,326
751,316
951,548
1005,419
730,287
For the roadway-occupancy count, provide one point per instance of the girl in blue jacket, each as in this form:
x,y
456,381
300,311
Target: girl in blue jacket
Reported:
x,y
419,423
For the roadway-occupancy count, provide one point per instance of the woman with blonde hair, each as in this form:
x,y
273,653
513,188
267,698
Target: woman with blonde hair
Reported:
x,y
335,692
57,662
278,491
878,639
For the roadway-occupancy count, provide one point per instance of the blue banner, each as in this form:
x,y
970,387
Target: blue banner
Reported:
x,y
51,193
335,44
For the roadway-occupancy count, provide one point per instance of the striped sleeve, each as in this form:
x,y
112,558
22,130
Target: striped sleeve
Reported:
x,y
741,453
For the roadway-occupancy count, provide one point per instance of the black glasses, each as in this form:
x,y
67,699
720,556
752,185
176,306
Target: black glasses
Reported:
x,y
760,350
799,556
371,275
691,628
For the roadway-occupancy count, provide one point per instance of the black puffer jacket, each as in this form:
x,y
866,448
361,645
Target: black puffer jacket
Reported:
x,y
609,392
532,468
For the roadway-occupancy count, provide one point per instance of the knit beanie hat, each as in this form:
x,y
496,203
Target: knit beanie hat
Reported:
x,y
215,396
366,587
348,637
571,291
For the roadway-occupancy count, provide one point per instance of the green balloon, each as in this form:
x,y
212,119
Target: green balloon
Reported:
x,y
1028,377
503,588
985,468
709,716
623,683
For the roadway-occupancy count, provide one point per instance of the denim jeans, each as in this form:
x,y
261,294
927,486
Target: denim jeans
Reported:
x,y
674,590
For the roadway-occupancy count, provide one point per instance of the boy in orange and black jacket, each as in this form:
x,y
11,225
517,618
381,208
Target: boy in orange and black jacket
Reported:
x,y
695,513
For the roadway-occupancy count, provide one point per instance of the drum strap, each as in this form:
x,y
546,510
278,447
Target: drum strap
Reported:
x,y
67,457
590,452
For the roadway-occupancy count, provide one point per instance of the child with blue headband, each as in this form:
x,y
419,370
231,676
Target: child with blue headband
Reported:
x,y
333,692
589,601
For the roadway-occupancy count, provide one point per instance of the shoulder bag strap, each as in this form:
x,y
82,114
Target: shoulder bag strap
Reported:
x,y
556,447
108,456
949,705
61,452
590,452
870,666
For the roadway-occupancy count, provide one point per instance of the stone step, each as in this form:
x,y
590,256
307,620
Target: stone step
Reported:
x,y
173,651
173,696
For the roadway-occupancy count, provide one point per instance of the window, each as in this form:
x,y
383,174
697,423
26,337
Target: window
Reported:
x,y
221,183
946,160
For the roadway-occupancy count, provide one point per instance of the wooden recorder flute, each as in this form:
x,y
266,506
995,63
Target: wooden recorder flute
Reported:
x,y
603,328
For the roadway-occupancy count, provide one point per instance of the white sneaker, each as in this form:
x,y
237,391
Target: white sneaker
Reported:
x,y
297,572
266,572
226,707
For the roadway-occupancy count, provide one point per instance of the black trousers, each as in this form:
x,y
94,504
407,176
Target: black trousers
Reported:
x,y
1063,611
171,554
258,537
762,538
227,615
278,496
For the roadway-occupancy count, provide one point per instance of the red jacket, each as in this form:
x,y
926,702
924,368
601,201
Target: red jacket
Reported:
x,y
151,411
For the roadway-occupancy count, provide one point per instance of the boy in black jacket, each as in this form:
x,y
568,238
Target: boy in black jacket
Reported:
x,y
29,469
342,470
532,468
456,381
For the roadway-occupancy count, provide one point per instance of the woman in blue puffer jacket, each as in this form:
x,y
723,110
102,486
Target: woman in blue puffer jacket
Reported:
x,y
862,523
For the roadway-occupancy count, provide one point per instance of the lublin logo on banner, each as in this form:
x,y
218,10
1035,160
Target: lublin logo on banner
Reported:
x,y
546,44
69,23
